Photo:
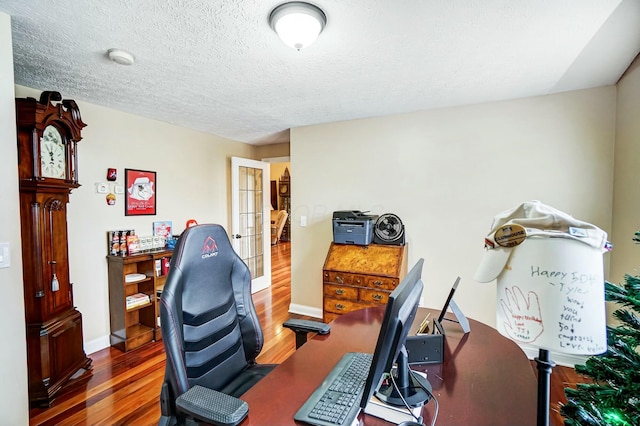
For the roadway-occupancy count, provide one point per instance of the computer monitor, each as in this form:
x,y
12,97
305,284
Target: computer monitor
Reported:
x,y
398,316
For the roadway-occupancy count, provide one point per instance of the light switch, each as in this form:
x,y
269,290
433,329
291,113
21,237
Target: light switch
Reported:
x,y
303,221
102,188
5,259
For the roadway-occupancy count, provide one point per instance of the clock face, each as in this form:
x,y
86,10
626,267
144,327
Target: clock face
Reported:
x,y
284,189
53,162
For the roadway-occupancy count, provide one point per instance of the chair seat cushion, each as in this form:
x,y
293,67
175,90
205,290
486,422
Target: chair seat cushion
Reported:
x,y
249,377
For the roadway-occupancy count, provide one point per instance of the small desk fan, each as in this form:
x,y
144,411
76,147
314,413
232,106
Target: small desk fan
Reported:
x,y
388,230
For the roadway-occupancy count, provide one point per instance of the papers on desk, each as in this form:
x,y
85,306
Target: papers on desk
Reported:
x,y
390,413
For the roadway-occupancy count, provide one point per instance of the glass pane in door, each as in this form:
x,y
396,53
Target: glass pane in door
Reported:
x,y
251,219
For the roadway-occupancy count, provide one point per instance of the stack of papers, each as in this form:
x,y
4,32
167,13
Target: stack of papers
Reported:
x,y
137,299
390,413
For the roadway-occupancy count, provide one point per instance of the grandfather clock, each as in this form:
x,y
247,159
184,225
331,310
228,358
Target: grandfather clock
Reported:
x,y
48,133
285,203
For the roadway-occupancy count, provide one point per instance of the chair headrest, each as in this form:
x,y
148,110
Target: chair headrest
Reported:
x,y
201,245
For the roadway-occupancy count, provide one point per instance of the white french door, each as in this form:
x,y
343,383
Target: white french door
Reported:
x,y
250,218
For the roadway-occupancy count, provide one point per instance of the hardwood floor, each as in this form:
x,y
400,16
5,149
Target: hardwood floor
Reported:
x,y
125,387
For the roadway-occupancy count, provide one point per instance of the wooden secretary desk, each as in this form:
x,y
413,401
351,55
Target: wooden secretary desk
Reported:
x,y
356,277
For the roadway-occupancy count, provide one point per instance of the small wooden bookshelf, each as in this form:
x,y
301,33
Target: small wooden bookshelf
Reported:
x,y
136,325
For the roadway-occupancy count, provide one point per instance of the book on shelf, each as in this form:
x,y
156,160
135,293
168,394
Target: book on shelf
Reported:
x,y
162,229
137,299
164,265
133,244
391,413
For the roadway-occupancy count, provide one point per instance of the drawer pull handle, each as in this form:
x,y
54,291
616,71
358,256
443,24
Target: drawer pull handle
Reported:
x,y
377,283
377,297
339,306
339,291
339,279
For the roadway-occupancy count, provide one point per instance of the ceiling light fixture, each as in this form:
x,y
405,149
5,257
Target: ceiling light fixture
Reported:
x,y
298,24
120,57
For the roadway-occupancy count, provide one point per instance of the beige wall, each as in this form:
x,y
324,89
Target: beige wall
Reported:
x,y
271,151
625,258
13,356
447,173
193,181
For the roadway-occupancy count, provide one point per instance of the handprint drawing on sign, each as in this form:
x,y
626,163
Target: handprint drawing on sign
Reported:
x,y
523,320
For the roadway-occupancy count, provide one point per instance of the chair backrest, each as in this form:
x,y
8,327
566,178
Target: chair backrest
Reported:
x,y
280,222
209,324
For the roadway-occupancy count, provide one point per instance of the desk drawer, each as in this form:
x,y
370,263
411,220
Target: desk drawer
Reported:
x,y
373,296
328,317
340,306
381,283
340,292
343,278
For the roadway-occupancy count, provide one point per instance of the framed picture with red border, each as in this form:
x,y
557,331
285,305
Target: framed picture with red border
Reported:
x,y
140,192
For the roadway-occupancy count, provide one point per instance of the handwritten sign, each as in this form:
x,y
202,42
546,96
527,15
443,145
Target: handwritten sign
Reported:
x,y
551,295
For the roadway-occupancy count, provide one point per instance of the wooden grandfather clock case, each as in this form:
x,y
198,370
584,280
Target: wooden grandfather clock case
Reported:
x,y
48,132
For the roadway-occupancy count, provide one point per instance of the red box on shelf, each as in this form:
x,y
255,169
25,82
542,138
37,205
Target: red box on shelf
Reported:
x,y
165,265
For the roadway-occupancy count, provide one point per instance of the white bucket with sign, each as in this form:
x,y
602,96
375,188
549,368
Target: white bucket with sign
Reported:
x,y
551,295
549,271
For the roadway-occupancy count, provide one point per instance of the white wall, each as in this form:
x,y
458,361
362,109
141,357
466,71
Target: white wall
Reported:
x,y
626,203
447,173
13,356
193,181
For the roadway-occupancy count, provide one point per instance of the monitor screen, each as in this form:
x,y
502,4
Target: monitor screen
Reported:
x,y
398,316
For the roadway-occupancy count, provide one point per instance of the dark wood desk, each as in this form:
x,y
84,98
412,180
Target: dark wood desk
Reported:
x,y
485,379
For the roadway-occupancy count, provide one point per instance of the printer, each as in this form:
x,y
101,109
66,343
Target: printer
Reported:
x,y
353,227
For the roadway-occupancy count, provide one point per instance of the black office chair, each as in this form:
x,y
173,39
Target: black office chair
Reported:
x,y
210,331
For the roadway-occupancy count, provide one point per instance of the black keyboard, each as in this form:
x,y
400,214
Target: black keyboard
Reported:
x,y
337,400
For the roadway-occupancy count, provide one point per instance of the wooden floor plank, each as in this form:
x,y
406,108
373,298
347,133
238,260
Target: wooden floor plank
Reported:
x,y
125,387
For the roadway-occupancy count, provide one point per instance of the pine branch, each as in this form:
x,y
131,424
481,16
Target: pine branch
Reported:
x,y
627,296
629,318
630,332
613,399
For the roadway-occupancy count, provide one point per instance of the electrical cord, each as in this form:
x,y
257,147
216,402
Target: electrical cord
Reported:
x,y
395,386
435,400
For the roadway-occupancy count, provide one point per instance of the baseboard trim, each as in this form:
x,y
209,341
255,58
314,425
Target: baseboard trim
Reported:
x,y
96,345
566,360
305,310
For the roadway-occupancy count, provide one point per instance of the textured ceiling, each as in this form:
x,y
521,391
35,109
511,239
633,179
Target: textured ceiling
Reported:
x,y
216,65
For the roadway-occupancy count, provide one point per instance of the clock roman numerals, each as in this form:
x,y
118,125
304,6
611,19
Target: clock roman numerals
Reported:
x,y
52,154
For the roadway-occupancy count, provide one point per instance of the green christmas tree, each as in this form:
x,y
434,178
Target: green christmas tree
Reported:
x,y
614,396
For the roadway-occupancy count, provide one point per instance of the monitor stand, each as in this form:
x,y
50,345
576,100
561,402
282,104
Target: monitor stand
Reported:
x,y
410,387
